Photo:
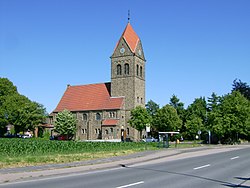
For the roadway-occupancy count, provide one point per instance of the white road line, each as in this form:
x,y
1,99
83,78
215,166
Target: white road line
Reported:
x,y
132,184
235,157
204,166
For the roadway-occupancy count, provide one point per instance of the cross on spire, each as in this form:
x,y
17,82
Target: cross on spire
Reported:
x,y
128,16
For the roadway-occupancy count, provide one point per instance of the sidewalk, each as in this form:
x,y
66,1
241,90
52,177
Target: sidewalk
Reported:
x,y
15,174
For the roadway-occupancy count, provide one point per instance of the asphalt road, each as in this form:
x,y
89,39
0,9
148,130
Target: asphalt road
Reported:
x,y
227,169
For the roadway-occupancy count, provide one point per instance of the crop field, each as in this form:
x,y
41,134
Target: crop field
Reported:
x,y
25,152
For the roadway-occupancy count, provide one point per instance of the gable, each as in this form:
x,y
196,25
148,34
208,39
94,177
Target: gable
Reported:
x,y
131,39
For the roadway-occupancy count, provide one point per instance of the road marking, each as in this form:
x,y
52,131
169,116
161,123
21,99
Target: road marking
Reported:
x,y
235,157
132,184
204,166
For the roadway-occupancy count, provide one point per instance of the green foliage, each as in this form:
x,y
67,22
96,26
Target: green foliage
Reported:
x,y
179,106
232,117
198,108
65,123
213,102
152,107
242,87
139,118
17,109
167,119
6,88
193,125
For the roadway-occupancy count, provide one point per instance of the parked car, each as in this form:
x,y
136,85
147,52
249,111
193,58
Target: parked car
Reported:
x,y
26,136
150,139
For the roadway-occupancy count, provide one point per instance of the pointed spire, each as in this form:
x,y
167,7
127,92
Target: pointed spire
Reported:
x,y
130,37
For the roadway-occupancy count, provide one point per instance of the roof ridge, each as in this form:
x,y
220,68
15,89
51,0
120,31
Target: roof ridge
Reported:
x,y
89,84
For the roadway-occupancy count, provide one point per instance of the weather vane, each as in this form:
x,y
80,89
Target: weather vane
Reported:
x,y
128,16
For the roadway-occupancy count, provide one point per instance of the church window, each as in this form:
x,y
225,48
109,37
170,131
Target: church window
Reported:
x,y
111,130
96,131
51,119
98,116
138,100
99,131
119,69
141,100
84,131
106,131
140,71
137,70
84,117
126,69
127,131
112,114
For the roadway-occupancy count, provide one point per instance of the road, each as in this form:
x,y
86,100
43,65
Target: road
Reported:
x,y
227,169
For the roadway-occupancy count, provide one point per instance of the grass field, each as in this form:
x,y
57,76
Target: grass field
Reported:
x,y
27,152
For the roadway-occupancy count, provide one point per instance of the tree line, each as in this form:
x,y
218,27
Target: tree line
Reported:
x,y
225,119
18,110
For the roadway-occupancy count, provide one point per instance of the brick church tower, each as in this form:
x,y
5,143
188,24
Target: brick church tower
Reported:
x,y
128,69
128,73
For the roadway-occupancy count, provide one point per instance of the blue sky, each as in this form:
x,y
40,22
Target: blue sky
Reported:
x,y
192,47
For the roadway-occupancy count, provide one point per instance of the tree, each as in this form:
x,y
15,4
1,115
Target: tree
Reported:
x,y
232,120
242,87
193,125
139,119
198,108
65,124
22,113
167,119
152,107
213,102
179,106
6,88
17,109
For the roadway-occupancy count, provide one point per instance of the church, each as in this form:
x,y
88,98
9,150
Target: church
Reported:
x,y
103,110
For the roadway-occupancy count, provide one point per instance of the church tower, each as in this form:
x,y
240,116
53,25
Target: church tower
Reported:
x,y
128,70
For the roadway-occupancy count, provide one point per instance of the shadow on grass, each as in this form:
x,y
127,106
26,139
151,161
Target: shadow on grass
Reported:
x,y
224,183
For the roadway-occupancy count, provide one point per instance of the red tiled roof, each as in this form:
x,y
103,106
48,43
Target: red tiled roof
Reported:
x,y
130,36
88,97
109,122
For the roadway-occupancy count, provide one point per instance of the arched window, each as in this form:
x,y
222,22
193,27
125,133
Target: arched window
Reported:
x,y
106,131
119,69
98,116
140,71
126,69
84,117
127,131
137,70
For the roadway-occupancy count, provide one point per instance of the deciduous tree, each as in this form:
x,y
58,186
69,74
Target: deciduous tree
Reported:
x,y
139,118
65,124
167,119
